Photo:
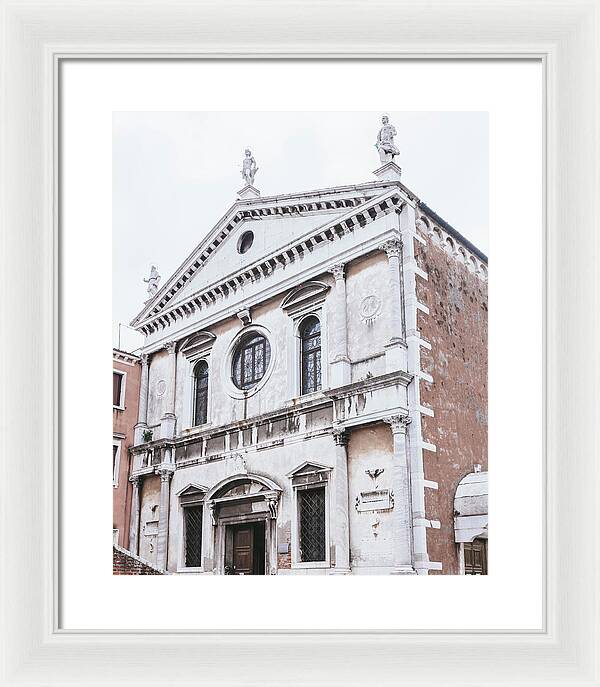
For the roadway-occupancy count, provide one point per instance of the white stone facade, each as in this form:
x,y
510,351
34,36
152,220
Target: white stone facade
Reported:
x,y
344,255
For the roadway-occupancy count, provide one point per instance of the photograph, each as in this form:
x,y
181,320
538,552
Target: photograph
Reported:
x,y
300,343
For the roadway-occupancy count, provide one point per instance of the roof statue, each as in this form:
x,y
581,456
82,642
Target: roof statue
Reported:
x,y
385,141
249,167
153,281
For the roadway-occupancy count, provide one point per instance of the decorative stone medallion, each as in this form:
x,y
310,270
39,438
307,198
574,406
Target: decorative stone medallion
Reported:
x,y
161,387
370,308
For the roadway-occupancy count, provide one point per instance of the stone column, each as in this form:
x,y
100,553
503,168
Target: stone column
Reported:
x,y
395,348
167,421
134,524
163,517
402,540
142,423
341,524
340,364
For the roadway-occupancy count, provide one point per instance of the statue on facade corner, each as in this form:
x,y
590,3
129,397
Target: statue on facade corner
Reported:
x,y
153,281
385,141
249,168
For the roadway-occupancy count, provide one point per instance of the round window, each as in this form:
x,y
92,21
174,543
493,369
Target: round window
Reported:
x,y
245,242
250,361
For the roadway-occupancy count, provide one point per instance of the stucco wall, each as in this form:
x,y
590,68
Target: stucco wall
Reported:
x,y
367,279
370,532
149,515
456,327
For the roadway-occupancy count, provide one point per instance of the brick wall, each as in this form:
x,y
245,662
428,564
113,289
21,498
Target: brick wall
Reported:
x,y
456,327
125,563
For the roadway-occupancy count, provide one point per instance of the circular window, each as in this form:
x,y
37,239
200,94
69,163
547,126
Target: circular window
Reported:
x,y
250,361
245,242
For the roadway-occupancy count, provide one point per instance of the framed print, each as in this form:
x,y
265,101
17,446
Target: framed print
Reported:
x,y
346,258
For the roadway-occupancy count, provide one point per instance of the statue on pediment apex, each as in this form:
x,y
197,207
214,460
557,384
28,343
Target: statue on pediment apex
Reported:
x,y
249,167
385,141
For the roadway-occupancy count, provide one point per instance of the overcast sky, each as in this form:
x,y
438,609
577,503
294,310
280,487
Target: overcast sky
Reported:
x,y
176,173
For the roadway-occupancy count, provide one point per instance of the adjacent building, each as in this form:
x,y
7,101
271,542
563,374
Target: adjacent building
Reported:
x,y
313,393
126,395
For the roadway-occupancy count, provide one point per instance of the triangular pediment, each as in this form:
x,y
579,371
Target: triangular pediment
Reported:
x,y
307,468
274,223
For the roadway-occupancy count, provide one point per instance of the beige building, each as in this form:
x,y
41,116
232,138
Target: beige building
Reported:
x,y
281,422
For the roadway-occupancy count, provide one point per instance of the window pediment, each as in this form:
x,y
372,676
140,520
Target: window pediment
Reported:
x,y
305,296
197,343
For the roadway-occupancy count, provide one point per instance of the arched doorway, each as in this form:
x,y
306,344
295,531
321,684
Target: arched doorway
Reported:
x,y
243,511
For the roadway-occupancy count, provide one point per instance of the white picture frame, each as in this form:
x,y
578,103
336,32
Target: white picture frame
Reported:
x,y
564,34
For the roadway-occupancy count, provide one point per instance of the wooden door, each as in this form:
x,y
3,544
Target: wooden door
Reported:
x,y
243,550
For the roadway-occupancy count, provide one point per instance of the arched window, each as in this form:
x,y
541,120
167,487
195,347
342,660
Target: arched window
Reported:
x,y
250,361
310,355
200,393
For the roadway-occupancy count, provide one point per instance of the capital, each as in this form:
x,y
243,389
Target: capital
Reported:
x,y
398,423
145,359
392,248
272,501
337,271
165,474
170,347
340,436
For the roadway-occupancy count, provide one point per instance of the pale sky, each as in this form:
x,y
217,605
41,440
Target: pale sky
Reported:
x,y
175,174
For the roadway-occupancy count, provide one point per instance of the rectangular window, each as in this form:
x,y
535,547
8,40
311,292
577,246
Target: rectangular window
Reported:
x,y
193,536
118,389
311,513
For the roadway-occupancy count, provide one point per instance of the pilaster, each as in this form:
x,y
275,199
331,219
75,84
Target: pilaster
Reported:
x,y
402,539
340,363
341,523
142,423
134,525
166,473
395,347
168,420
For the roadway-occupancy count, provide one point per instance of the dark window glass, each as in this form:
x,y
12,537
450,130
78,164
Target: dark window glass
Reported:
x,y
115,452
311,508
193,536
251,361
476,557
310,338
117,386
201,393
246,242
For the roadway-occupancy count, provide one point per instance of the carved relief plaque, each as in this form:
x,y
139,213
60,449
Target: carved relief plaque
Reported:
x,y
370,308
378,499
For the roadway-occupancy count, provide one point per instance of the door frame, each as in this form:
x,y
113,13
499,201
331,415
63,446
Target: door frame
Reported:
x,y
270,539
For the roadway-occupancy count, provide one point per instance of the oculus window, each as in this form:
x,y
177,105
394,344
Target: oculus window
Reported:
x,y
250,361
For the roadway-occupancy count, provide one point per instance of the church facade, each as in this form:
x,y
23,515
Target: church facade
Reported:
x,y
313,393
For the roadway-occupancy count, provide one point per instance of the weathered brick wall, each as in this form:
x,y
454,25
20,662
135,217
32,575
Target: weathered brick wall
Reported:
x,y
456,327
126,564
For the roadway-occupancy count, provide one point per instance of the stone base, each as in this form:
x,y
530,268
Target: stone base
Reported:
x,y
340,372
404,570
167,427
248,192
340,571
388,172
138,431
396,355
